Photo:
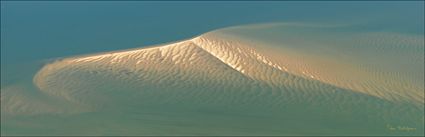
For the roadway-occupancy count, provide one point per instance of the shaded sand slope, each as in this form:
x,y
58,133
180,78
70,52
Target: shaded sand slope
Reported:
x,y
272,79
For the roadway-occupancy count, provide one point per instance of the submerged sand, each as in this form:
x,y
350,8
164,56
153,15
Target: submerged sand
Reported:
x,y
267,79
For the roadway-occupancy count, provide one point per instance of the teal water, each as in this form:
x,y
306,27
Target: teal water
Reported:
x,y
43,30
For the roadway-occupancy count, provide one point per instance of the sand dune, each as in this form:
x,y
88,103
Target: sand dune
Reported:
x,y
272,79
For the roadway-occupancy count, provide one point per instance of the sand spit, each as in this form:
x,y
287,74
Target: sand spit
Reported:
x,y
249,79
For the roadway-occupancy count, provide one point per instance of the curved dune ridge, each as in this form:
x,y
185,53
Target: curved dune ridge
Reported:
x,y
273,79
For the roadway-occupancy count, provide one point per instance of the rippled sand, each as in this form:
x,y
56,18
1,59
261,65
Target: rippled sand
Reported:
x,y
267,79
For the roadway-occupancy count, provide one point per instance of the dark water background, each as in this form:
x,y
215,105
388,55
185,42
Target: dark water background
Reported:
x,y
42,30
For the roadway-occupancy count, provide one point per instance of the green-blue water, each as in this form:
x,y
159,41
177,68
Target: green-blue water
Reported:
x,y
43,30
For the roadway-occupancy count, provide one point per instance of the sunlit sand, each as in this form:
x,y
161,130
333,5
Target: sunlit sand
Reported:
x,y
264,79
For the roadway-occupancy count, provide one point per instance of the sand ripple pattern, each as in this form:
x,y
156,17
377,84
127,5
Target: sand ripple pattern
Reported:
x,y
217,74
